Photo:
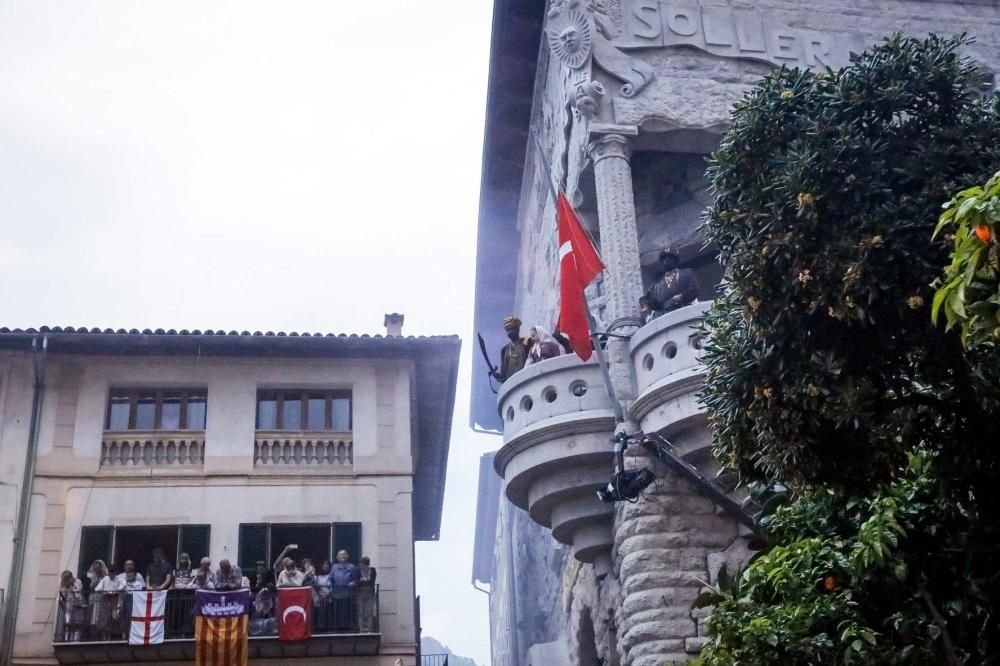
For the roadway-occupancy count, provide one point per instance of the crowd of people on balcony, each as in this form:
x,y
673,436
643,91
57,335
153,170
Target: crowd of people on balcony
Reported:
x,y
343,593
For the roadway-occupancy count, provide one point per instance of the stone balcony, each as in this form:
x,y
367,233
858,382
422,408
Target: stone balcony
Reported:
x,y
557,452
669,373
558,425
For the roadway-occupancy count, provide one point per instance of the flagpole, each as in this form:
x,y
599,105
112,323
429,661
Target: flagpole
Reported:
x,y
598,350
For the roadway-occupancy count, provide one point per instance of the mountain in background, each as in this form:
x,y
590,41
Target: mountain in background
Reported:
x,y
430,645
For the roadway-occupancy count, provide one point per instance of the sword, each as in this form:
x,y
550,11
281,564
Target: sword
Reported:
x,y
486,356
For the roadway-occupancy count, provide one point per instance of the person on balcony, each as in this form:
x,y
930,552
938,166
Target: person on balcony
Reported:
x,y
545,345
203,579
159,574
73,605
130,579
514,354
290,576
366,596
184,574
103,599
322,600
674,288
262,578
228,577
308,572
345,582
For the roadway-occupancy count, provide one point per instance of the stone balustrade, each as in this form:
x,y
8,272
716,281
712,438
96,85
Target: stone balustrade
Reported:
x,y
155,449
669,374
282,449
557,452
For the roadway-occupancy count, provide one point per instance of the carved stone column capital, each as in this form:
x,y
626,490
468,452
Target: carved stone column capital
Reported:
x,y
611,141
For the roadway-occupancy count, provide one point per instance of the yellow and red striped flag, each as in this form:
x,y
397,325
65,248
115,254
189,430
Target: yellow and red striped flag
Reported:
x,y
221,628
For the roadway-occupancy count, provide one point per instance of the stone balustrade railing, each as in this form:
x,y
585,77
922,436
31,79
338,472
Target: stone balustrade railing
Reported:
x,y
161,448
285,449
669,374
557,452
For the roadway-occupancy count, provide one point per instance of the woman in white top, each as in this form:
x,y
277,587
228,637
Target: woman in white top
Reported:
x,y
103,599
73,605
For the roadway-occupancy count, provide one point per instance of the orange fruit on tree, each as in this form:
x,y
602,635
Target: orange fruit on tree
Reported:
x,y
984,232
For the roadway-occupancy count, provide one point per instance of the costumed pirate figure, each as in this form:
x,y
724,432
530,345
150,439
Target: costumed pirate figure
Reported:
x,y
514,354
674,288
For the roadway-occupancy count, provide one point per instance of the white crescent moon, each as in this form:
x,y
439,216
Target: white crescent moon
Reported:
x,y
293,609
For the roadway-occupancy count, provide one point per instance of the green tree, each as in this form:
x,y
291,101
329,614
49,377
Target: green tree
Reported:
x,y
969,290
825,372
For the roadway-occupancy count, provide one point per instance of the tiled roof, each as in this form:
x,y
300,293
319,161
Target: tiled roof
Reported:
x,y
207,331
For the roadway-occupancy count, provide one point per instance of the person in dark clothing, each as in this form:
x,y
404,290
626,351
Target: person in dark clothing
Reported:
x,y
159,574
674,288
262,578
367,607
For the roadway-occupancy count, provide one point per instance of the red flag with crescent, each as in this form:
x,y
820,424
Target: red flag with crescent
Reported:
x,y
294,613
579,264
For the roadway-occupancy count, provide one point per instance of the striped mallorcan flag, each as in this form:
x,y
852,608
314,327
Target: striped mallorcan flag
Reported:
x,y
221,628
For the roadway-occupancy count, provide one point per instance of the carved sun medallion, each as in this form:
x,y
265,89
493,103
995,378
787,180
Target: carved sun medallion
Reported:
x,y
570,38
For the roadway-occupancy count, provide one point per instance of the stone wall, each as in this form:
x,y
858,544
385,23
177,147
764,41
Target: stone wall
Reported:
x,y
673,538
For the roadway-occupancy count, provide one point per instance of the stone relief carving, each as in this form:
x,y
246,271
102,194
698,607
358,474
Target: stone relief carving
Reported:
x,y
579,32
570,37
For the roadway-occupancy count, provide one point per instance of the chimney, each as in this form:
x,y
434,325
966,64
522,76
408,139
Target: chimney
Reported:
x,y
393,325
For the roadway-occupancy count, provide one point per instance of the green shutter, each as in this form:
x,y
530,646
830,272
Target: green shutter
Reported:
x,y
95,544
195,541
253,545
347,536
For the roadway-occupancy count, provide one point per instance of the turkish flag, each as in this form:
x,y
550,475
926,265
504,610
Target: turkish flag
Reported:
x,y
294,613
579,264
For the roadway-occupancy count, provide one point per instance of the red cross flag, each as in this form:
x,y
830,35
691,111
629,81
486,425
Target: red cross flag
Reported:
x,y
147,618
579,264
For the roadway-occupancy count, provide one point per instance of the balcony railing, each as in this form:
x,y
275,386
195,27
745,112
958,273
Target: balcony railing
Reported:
x,y
160,448
433,660
282,448
101,620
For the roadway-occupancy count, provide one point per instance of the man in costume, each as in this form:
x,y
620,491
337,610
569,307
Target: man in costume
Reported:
x,y
514,354
674,288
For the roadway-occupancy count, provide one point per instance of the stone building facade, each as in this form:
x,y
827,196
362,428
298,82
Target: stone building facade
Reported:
x,y
618,102
222,445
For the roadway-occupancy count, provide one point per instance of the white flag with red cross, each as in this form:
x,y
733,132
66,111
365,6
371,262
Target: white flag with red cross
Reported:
x,y
147,618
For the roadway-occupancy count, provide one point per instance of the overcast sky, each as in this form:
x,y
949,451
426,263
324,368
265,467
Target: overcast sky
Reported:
x,y
254,165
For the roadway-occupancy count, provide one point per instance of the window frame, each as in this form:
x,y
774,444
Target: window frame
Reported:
x,y
133,393
111,547
332,545
279,395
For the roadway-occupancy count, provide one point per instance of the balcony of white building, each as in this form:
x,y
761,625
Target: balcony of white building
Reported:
x,y
95,629
558,423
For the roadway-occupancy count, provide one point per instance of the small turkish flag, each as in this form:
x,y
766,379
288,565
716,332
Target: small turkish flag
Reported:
x,y
579,264
294,613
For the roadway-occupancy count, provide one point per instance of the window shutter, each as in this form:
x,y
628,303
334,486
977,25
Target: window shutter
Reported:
x,y
195,541
95,544
347,536
253,545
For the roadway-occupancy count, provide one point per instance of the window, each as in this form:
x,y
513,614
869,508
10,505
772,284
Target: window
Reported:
x,y
115,545
317,541
156,409
297,409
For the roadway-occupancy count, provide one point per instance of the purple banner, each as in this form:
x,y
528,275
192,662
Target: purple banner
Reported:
x,y
222,604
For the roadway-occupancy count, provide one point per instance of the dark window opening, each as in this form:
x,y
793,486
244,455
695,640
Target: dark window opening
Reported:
x,y
156,409
115,545
295,409
316,541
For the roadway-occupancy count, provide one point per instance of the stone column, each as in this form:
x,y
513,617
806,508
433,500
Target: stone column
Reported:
x,y
611,149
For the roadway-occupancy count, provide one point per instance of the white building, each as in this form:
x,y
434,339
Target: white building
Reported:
x,y
226,445
623,100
